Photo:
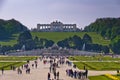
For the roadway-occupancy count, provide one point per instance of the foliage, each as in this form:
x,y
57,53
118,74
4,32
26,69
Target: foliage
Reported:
x,y
107,27
9,27
115,45
24,36
74,42
87,39
58,36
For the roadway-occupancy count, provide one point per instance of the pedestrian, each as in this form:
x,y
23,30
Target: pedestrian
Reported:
x,y
86,72
54,75
50,68
117,71
2,70
84,67
36,65
48,76
32,65
19,71
58,75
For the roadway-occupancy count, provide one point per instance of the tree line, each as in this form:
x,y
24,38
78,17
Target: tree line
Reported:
x,y
25,39
75,42
109,28
9,27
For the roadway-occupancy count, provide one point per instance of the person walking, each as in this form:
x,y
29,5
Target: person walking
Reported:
x,y
55,75
2,70
48,76
58,75
86,72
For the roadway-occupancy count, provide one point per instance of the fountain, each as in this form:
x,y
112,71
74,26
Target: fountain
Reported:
x,y
83,48
23,48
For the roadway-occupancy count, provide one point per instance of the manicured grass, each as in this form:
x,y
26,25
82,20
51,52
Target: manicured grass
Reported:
x,y
11,41
93,58
99,65
7,65
8,61
13,58
57,36
102,77
118,76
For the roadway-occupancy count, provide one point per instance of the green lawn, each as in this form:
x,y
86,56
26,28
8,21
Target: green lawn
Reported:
x,y
7,61
13,58
99,65
93,58
57,36
11,41
7,65
102,77
118,76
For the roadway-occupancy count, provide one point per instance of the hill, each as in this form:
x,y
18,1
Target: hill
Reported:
x,y
57,36
109,28
10,27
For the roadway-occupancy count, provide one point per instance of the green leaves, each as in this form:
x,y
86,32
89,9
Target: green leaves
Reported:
x,y
107,27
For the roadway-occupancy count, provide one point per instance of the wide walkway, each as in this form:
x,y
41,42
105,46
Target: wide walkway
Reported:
x,y
40,73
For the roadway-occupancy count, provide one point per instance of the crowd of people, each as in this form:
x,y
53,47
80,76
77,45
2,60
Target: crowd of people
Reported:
x,y
26,67
54,62
77,74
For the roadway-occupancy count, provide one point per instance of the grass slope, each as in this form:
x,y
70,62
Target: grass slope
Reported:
x,y
57,36
11,41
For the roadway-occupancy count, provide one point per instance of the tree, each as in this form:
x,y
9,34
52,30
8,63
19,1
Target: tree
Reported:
x,y
30,44
105,49
74,42
24,36
115,45
109,28
78,42
87,39
48,43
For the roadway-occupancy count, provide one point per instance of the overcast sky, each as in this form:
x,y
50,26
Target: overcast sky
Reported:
x,y
81,12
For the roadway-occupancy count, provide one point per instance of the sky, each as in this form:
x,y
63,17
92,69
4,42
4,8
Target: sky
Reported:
x,y
80,12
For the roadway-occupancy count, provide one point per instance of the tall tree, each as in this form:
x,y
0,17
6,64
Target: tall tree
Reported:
x,y
87,39
115,45
24,36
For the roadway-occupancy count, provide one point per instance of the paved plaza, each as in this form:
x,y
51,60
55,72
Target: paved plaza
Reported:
x,y
41,72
